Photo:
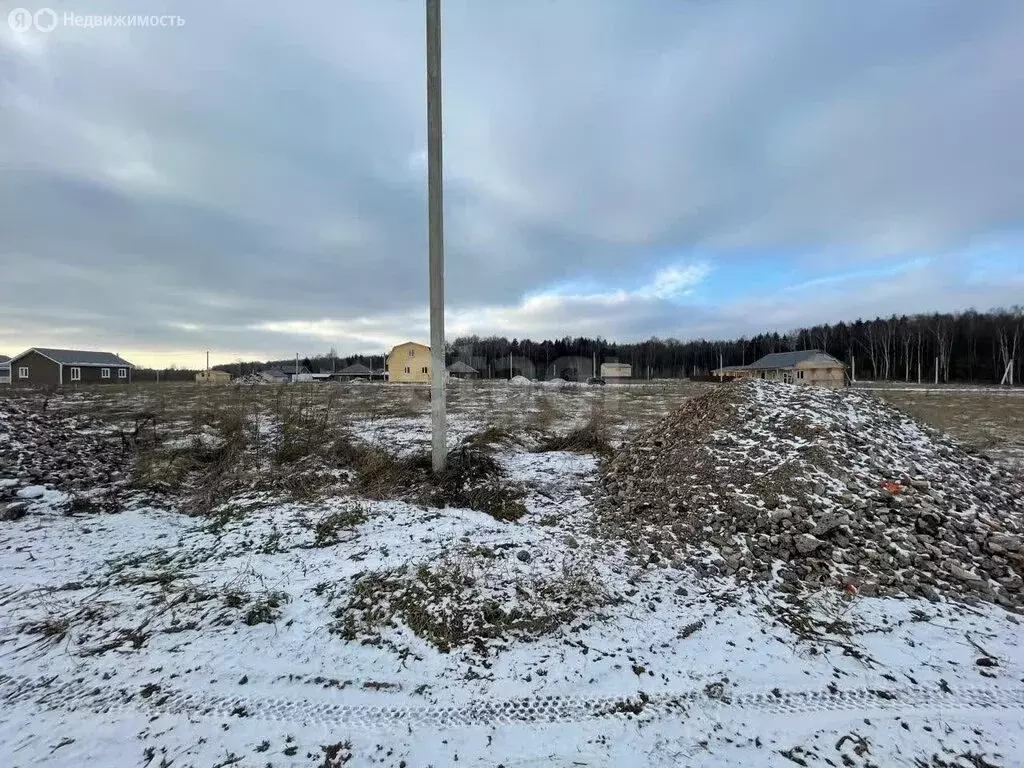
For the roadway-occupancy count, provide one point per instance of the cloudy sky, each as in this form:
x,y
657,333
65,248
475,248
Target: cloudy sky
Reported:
x,y
253,182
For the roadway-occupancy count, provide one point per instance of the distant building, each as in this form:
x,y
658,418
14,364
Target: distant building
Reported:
x,y
275,376
461,370
213,377
409,363
354,371
616,371
5,369
809,366
729,372
41,367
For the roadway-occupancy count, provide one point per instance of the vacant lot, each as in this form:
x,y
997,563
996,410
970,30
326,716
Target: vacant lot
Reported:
x,y
271,576
990,420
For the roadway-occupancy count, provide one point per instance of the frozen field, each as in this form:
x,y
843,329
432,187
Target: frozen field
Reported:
x,y
267,577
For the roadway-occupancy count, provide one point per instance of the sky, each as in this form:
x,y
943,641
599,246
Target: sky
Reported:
x,y
253,180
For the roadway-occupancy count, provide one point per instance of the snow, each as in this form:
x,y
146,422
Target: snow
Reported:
x,y
147,655
31,492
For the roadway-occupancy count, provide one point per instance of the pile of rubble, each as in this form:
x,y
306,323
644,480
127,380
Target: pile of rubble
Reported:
x,y
43,449
807,486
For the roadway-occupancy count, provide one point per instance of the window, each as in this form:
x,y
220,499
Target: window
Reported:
x,y
76,374
105,373
425,369
23,373
412,352
408,369
799,374
122,373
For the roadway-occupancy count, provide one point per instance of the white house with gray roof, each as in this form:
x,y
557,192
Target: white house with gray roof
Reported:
x,y
808,366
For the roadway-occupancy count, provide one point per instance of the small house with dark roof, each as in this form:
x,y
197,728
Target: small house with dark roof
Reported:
x,y
461,370
354,371
44,367
808,366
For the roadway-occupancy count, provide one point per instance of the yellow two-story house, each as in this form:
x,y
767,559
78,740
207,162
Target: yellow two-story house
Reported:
x,y
409,363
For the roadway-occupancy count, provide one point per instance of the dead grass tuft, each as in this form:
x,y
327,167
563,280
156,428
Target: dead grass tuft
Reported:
x,y
593,437
473,479
327,529
448,604
265,609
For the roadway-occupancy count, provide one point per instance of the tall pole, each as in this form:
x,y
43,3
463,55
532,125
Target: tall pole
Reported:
x,y
435,217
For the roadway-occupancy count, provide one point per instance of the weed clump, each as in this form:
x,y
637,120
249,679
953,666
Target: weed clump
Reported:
x,y
453,603
327,529
473,479
265,609
593,437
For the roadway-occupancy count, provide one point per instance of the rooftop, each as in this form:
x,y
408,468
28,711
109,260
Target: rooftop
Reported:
x,y
790,359
80,357
356,369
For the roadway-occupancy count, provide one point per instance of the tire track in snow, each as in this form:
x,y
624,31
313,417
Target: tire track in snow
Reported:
x,y
78,695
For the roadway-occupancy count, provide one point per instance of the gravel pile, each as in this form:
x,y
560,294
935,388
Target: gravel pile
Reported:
x,y
808,486
46,450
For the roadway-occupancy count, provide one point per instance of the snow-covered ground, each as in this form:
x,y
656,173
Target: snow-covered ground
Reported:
x,y
254,638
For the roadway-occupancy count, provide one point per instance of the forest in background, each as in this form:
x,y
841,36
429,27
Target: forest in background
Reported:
x,y
965,346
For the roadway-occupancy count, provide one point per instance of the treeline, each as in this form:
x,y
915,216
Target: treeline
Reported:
x,y
966,346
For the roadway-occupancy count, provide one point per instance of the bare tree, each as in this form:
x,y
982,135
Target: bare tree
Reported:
x,y
942,330
1008,333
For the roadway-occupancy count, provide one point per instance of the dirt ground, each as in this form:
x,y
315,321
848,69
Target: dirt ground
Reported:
x,y
257,601
990,421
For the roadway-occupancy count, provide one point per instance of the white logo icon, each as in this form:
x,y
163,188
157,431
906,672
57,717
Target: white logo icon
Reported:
x,y
22,20
45,19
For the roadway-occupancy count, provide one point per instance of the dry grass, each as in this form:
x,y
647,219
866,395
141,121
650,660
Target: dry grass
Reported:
x,y
989,421
199,446
326,532
448,606
593,437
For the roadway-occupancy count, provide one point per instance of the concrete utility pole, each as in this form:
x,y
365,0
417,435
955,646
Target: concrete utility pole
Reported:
x,y
435,216
936,370
207,364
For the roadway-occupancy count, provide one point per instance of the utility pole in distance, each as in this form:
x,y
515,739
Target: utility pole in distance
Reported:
x,y
435,218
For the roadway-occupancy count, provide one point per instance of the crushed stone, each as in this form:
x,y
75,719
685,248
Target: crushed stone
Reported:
x,y
806,487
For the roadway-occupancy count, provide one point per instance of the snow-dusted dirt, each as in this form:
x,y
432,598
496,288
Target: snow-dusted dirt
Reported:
x,y
305,632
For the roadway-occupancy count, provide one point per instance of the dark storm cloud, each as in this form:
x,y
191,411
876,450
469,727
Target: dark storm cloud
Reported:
x,y
253,181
